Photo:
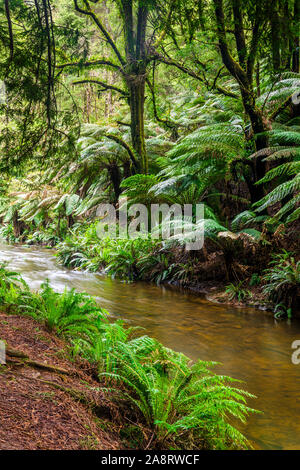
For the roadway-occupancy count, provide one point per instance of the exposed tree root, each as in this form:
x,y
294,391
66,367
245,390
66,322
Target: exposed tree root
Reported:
x,y
38,365
26,361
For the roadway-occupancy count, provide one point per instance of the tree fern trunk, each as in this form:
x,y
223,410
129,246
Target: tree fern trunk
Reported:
x,y
115,177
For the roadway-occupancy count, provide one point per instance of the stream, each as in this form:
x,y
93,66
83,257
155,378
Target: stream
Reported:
x,y
250,344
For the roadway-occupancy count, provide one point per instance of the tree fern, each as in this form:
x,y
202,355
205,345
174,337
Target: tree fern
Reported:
x,y
286,175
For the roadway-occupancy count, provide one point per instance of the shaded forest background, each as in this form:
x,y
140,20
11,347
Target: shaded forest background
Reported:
x,y
174,101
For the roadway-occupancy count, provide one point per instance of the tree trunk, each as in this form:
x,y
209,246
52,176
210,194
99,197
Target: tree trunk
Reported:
x,y
115,177
275,36
295,56
70,221
259,125
16,224
242,71
136,87
136,73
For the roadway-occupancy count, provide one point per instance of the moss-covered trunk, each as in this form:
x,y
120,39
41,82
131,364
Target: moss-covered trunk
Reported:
x,y
136,73
136,87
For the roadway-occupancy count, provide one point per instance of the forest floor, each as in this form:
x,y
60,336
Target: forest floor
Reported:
x,y
47,400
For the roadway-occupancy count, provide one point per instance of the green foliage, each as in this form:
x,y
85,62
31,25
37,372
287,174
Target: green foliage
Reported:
x,y
46,237
282,279
137,188
70,313
124,261
32,122
185,404
142,258
156,266
244,219
179,400
11,284
119,257
236,291
7,233
284,150
104,347
255,280
200,127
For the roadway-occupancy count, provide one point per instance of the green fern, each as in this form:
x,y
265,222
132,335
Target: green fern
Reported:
x,y
178,399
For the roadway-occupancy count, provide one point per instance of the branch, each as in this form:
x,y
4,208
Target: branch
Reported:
x,y
76,394
104,85
222,90
126,11
239,32
169,124
254,45
92,14
167,24
193,74
181,67
233,67
38,365
121,123
88,64
50,46
10,31
141,31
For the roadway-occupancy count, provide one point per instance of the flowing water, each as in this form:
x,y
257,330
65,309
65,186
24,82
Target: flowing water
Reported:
x,y
251,345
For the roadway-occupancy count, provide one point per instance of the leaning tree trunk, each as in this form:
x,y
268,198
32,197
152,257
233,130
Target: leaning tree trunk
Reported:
x,y
242,71
259,126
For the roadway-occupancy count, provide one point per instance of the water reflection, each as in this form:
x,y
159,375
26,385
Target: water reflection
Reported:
x,y
250,345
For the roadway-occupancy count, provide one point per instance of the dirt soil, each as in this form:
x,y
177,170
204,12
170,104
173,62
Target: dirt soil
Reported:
x,y
47,401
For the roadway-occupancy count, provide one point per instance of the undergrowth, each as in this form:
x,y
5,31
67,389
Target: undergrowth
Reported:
x,y
185,404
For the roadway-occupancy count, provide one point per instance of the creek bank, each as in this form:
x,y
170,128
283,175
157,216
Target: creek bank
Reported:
x,y
248,270
187,322
208,274
50,402
215,292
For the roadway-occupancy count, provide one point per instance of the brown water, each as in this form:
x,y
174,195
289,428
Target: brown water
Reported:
x,y
251,345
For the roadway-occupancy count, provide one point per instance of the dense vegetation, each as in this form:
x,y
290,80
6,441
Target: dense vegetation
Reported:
x,y
162,102
184,404
156,102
